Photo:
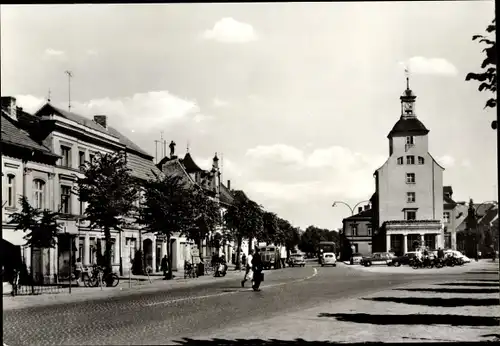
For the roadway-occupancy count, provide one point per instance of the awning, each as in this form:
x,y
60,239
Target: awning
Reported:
x,y
14,237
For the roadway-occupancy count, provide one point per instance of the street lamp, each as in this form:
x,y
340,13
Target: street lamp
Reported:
x,y
352,209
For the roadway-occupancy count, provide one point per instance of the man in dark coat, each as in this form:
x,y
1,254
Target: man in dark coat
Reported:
x,y
257,270
164,265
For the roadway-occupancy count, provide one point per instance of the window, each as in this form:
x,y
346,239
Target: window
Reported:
x,y
410,178
446,217
410,215
81,158
409,140
65,199
81,209
410,197
11,190
354,229
410,160
420,160
400,160
369,229
66,156
38,194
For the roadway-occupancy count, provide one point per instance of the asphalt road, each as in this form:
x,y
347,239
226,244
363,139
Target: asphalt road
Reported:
x,y
192,312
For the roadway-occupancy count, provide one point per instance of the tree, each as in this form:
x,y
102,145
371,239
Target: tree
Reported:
x,y
41,226
166,209
206,215
110,192
244,220
488,77
271,231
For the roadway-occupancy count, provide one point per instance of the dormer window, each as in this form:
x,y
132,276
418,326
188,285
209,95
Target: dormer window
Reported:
x,y
400,160
409,140
421,160
410,160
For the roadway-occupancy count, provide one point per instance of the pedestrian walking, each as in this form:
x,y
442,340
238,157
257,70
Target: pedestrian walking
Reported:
x,y
248,268
257,268
283,256
78,271
164,266
244,262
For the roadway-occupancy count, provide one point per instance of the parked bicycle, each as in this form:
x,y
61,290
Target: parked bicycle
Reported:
x,y
96,276
209,270
189,270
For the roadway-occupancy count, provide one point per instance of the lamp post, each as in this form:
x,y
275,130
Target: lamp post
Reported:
x,y
352,209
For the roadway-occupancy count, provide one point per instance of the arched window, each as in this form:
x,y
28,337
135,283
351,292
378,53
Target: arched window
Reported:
x,y
38,194
11,190
400,160
421,160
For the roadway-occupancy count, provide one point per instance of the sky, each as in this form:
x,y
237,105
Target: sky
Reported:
x,y
296,98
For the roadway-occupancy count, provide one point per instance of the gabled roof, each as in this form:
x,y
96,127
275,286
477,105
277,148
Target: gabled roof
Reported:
x,y
488,217
226,196
13,135
174,167
84,121
364,215
190,165
482,209
141,167
408,127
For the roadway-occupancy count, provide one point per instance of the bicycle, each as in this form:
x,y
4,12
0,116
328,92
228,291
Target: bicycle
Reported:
x,y
209,270
97,277
189,271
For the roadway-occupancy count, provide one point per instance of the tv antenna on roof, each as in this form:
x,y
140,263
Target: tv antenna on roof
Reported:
x,y
70,75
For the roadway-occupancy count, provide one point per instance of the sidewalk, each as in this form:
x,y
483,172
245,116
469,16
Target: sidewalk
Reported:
x,y
442,311
138,285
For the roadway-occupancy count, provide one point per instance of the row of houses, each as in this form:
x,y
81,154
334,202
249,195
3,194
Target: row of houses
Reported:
x,y
41,158
410,202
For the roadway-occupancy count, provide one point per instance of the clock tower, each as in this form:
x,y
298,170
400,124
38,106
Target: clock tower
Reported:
x,y
408,101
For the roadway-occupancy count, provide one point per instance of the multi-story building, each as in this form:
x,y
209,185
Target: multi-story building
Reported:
x,y
408,200
358,230
74,139
211,183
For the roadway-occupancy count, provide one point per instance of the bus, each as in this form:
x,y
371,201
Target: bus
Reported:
x,y
326,246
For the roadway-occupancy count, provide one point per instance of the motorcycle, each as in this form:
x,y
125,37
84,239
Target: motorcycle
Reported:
x,y
416,263
221,270
439,263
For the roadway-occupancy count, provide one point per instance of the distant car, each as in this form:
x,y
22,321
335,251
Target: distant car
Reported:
x,y
377,258
297,260
458,254
405,259
356,258
328,258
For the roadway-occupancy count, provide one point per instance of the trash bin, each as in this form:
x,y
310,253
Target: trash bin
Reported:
x,y
201,269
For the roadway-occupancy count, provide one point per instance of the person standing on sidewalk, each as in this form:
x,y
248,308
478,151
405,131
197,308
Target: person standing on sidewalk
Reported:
x,y
164,266
248,268
78,271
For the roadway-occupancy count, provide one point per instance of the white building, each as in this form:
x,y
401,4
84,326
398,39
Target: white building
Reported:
x,y
409,187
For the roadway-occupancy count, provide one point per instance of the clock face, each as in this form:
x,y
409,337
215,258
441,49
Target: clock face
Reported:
x,y
408,106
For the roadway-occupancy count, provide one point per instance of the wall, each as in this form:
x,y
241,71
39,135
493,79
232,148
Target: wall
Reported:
x,y
363,239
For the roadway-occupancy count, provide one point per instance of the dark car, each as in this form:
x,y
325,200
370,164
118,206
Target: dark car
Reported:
x,y
377,258
405,259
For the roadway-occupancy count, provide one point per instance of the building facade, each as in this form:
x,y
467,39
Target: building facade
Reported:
x,y
358,230
409,187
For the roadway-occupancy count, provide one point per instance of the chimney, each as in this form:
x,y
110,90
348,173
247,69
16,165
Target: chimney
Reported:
x,y
101,120
229,185
360,209
9,105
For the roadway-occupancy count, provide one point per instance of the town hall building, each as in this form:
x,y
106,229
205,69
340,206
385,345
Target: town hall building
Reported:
x,y
408,202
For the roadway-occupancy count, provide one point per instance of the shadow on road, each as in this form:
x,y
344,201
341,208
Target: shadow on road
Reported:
x,y
496,336
217,341
450,290
426,319
483,284
484,272
444,302
483,280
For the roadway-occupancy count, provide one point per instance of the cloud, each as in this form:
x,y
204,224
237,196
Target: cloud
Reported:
x,y
219,103
54,53
446,161
466,163
229,169
430,66
92,52
293,174
228,30
142,112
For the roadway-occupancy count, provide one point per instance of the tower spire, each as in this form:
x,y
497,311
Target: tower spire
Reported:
x,y
407,74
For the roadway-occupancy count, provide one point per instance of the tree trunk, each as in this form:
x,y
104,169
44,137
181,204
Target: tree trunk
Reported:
x,y
238,251
107,253
169,259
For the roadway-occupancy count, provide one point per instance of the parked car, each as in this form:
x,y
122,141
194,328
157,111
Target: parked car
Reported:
x,y
328,258
458,254
356,258
297,260
377,258
405,259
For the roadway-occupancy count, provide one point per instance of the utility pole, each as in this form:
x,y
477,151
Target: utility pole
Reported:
x,y
162,147
70,75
